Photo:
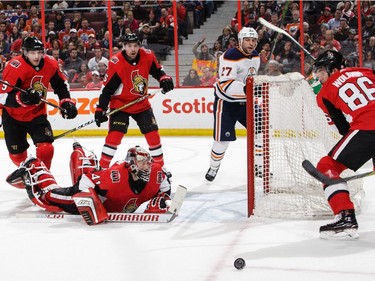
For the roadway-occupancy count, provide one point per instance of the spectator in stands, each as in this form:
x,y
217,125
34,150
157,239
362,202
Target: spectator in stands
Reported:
x,y
151,19
54,45
325,17
93,62
145,36
16,46
369,60
14,35
224,37
4,44
83,75
115,50
348,46
139,12
329,42
371,47
192,79
92,43
19,13
131,22
272,68
262,39
182,19
253,22
102,69
208,79
96,82
73,37
85,30
334,23
126,8
204,53
51,27
59,21
166,21
288,59
265,55
347,11
342,32
36,31
278,45
72,63
293,26
276,22
368,30
316,49
216,48
105,44
64,34
33,16
233,43
119,28
77,21
60,5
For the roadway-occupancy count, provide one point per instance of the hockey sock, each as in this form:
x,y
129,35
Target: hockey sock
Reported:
x,y
218,152
112,141
155,147
18,158
45,151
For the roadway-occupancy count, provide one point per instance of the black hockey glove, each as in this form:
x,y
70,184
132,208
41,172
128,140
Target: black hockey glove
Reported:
x,y
100,116
70,109
31,96
166,83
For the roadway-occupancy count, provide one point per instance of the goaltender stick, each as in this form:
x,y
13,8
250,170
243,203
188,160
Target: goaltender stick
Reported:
x,y
123,187
347,98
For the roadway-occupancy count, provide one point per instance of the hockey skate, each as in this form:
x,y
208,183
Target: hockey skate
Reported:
x,y
344,228
211,173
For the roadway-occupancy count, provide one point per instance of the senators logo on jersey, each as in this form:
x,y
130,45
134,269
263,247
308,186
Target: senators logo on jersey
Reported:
x,y
139,83
37,84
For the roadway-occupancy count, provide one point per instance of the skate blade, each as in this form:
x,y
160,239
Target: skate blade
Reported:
x,y
348,234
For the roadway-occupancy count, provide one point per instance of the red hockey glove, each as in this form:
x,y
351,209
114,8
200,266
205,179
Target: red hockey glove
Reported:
x,y
159,204
166,83
100,116
70,108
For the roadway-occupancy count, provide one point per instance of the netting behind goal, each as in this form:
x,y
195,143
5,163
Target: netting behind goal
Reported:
x,y
285,126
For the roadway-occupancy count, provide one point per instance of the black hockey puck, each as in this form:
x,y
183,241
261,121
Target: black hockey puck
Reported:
x,y
239,263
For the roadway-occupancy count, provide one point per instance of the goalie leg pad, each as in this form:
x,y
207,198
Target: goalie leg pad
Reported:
x,y
90,207
80,163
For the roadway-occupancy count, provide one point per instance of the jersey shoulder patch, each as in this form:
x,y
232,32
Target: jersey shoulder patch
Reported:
x,y
15,63
115,60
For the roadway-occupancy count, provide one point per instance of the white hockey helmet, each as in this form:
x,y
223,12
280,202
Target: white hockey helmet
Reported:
x,y
247,32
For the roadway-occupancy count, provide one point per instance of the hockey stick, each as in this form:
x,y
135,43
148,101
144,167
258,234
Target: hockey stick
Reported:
x,y
309,167
279,30
167,217
108,114
23,91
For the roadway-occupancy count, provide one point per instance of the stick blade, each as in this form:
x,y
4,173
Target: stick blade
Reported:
x,y
310,168
178,199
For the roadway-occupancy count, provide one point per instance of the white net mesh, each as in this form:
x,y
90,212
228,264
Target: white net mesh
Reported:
x,y
293,129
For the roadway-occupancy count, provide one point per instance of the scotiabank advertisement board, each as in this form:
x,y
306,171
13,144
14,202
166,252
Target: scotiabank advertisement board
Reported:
x,y
181,111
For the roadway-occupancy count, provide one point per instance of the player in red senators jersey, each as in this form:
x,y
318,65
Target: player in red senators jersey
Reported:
x,y
23,112
127,80
347,97
123,187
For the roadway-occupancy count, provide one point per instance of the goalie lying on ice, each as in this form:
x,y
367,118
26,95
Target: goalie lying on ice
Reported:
x,y
123,187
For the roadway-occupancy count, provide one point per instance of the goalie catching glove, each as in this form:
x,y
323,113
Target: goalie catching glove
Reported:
x,y
159,204
70,110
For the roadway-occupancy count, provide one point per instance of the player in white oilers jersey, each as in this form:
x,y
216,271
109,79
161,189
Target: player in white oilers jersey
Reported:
x,y
235,65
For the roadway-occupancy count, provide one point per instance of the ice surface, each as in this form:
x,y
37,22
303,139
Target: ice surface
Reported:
x,y
202,243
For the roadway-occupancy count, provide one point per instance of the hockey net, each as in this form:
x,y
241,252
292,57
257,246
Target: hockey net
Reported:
x,y
285,126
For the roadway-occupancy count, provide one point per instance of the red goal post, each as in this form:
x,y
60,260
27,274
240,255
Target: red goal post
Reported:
x,y
284,127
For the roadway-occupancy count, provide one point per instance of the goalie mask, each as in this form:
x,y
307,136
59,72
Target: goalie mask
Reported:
x,y
329,60
139,162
